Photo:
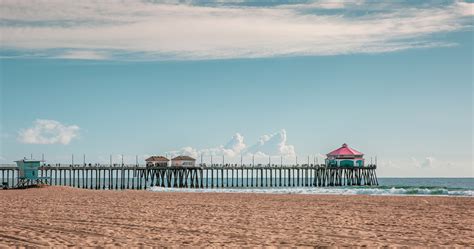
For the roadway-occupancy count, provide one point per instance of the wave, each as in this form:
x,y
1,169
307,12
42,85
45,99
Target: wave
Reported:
x,y
381,190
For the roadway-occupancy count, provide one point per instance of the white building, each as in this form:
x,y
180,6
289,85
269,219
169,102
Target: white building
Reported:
x,y
183,161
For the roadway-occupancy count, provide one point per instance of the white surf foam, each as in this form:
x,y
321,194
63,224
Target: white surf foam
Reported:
x,y
330,191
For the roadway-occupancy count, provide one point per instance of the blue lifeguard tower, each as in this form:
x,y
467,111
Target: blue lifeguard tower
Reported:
x,y
28,173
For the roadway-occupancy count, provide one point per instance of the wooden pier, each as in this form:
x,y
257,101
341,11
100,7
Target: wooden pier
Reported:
x,y
215,176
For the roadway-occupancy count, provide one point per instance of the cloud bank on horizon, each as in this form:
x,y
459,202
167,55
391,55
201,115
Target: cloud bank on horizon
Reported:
x,y
274,144
147,30
47,132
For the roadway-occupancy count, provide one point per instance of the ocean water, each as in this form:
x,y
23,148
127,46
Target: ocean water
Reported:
x,y
387,186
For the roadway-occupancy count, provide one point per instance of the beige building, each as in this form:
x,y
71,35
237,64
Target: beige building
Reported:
x,y
157,161
183,161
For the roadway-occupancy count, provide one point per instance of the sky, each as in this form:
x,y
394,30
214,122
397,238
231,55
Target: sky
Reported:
x,y
273,80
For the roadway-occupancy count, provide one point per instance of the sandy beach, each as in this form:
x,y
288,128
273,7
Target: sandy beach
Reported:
x,y
62,216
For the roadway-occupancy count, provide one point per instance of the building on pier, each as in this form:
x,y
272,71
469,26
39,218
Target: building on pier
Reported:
x,y
345,157
183,161
157,161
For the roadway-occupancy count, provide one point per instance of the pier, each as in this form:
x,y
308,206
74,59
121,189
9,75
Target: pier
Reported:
x,y
216,176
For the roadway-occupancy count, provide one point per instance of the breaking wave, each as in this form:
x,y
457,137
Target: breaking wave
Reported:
x,y
380,190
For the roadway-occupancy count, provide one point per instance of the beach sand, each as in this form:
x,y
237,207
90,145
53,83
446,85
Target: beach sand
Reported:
x,y
62,216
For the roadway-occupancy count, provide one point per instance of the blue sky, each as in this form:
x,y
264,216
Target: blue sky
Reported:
x,y
402,91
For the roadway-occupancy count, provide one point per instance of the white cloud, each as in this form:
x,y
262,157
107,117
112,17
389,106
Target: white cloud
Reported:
x,y
145,30
235,145
46,131
331,4
268,145
233,148
428,162
185,151
273,144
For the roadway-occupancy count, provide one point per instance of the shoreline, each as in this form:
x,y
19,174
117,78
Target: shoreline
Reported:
x,y
362,190
258,191
65,216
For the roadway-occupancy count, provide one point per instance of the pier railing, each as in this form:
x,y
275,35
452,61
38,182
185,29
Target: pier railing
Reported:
x,y
118,176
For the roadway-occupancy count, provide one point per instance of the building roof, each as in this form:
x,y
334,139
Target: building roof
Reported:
x,y
29,161
345,150
157,159
184,158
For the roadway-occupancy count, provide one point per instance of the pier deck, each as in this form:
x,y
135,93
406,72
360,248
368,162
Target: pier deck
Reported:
x,y
201,176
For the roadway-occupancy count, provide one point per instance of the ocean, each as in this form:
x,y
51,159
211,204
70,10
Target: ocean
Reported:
x,y
387,186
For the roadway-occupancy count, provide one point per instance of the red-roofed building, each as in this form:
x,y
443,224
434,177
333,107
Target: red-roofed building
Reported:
x,y
157,161
345,157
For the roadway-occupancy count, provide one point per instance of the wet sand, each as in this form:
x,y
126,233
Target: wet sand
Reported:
x,y
61,216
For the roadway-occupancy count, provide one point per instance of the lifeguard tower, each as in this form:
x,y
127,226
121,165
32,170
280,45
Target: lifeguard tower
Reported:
x,y
28,173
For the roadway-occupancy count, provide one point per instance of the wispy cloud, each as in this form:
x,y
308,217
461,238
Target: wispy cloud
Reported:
x,y
151,31
82,55
46,131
